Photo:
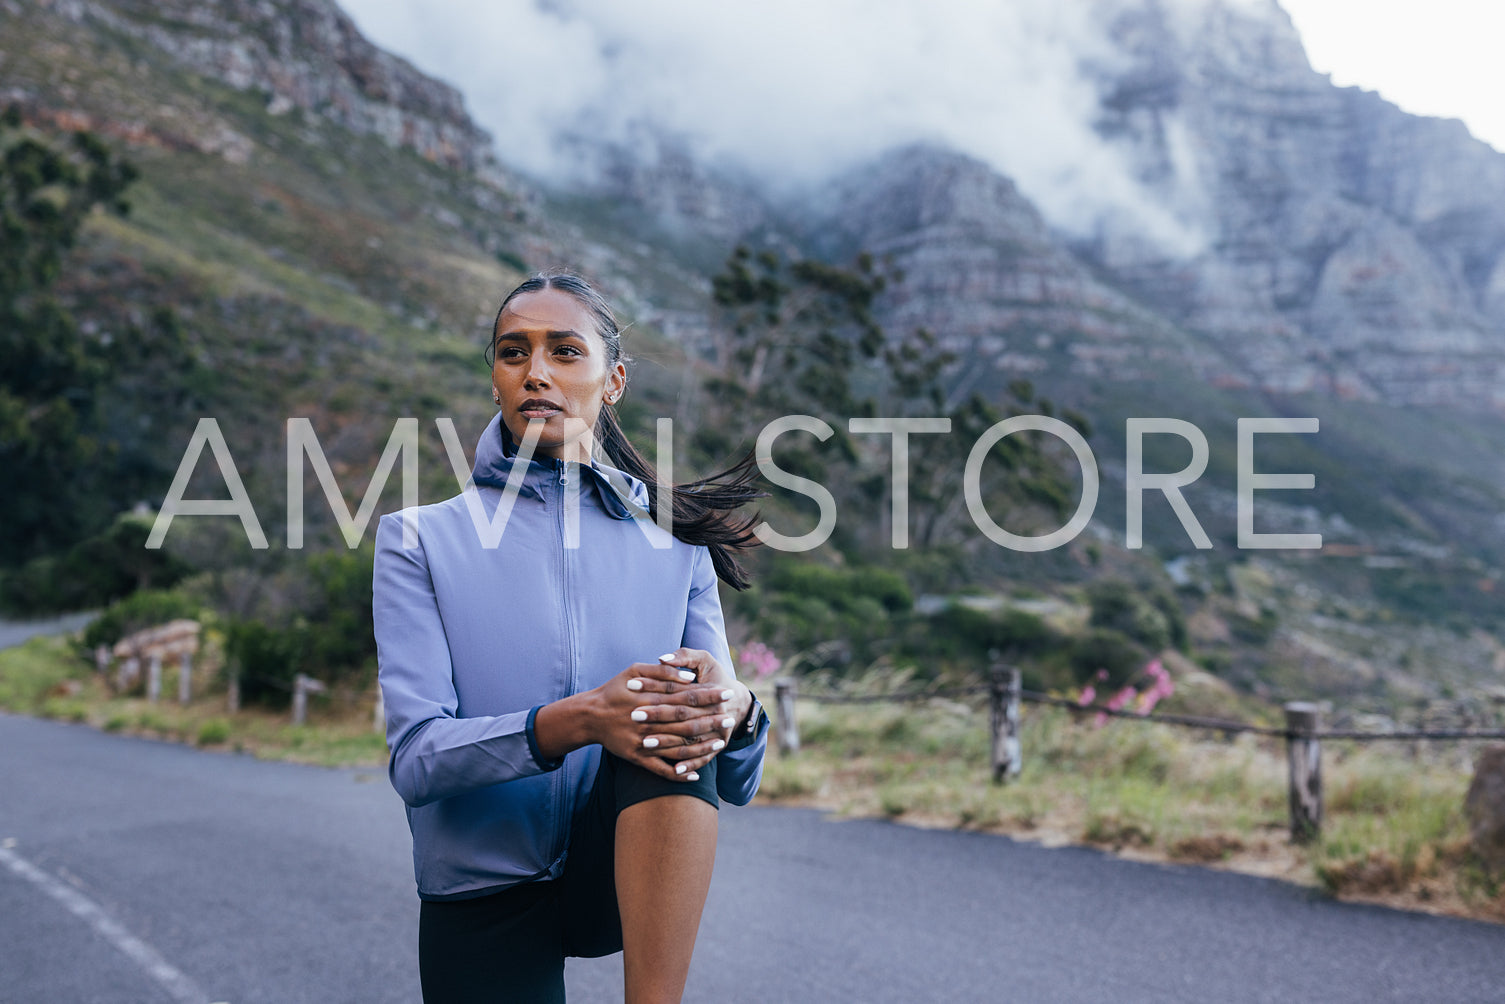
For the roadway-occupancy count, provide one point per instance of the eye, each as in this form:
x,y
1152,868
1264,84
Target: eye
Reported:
x,y
512,352
569,350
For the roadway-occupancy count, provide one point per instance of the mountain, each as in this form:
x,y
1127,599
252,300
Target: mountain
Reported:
x,y
325,227
334,232
1345,264
1351,248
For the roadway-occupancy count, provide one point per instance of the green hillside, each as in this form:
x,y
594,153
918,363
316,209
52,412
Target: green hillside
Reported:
x,y
276,264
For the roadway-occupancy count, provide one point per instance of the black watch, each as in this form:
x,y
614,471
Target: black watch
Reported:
x,y
751,723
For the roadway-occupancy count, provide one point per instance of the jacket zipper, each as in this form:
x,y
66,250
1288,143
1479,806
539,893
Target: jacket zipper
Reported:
x,y
561,813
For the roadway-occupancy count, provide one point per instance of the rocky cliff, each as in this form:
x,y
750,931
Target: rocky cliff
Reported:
x,y
1349,247
981,268
1331,242
308,55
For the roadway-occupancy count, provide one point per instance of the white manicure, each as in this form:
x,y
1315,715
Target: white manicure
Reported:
x,y
692,776
726,695
640,715
650,742
666,657
727,723
634,684
679,768
717,744
687,676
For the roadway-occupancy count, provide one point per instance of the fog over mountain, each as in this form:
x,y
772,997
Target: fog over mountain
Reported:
x,y
795,92
1156,210
1323,238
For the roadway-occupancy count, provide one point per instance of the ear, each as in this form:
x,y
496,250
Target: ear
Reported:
x,y
616,382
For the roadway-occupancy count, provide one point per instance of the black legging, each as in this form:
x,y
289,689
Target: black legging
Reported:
x,y
511,945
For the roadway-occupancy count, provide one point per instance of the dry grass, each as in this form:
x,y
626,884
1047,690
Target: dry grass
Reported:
x,y
43,677
1394,831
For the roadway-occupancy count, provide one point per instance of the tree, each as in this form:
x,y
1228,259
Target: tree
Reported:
x,y
51,379
799,336
790,333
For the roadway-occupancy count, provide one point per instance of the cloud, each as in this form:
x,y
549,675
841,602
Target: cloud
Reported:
x,y
790,90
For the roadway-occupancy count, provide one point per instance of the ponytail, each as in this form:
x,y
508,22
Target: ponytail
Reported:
x,y
702,511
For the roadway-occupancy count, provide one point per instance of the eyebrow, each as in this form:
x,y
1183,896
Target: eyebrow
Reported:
x,y
518,336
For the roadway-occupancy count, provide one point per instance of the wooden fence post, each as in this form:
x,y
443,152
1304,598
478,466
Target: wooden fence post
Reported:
x,y
379,716
1304,754
185,678
128,673
154,678
102,660
789,730
1004,692
302,687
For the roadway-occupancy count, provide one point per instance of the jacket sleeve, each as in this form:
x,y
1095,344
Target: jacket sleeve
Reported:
x,y
739,767
433,754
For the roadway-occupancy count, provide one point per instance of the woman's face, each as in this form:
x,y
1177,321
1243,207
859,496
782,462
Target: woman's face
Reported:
x,y
551,369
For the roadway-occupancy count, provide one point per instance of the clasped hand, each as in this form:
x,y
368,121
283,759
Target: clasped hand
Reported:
x,y
673,716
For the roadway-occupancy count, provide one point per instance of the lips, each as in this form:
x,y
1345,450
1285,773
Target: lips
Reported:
x,y
537,407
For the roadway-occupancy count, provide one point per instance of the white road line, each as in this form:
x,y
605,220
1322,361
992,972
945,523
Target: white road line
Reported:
x,y
180,987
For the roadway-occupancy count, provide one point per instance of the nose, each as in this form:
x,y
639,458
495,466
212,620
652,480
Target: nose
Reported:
x,y
538,371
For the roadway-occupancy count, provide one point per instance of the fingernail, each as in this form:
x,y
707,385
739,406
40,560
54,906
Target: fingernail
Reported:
x,y
679,768
727,722
666,657
650,742
687,676
634,684
717,744
726,695
640,715
692,776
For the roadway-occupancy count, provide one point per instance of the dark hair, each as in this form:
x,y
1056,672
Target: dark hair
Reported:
x,y
702,510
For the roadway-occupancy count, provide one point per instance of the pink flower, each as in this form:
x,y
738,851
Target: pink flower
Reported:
x,y
1161,688
1088,695
760,659
1118,700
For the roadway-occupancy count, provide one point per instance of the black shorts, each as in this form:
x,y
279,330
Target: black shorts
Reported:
x,y
511,945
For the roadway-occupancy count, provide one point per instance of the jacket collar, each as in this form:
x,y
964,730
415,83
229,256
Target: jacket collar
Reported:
x,y
496,455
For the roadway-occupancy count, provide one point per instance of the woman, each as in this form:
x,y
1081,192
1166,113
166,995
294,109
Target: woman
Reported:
x,y
561,777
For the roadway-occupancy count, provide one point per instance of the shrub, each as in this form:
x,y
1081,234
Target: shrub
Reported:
x,y
1254,630
1109,650
801,605
213,732
961,632
340,635
842,587
264,659
139,610
107,566
1119,606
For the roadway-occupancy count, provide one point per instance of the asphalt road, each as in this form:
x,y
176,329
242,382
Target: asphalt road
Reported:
x,y
16,632
139,871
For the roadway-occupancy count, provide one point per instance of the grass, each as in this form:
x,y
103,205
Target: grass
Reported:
x,y
1394,830
44,677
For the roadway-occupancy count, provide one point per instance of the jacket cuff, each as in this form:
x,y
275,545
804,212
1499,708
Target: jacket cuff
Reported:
x,y
545,765
744,736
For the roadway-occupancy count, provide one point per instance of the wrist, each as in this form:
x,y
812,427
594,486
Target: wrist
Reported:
x,y
563,726
747,727
745,706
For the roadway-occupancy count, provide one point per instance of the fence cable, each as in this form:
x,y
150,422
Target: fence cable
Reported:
x,y
1186,721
